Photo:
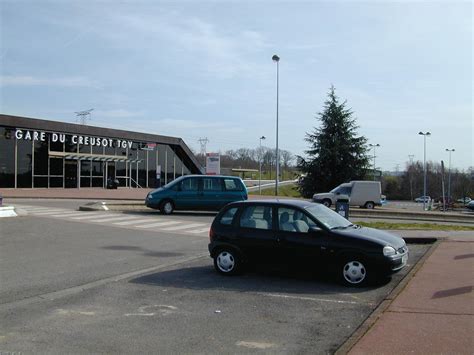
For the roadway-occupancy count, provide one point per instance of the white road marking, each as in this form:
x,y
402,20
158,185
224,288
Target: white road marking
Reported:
x,y
44,209
132,222
45,213
73,214
307,298
192,225
158,224
198,231
255,345
88,216
110,219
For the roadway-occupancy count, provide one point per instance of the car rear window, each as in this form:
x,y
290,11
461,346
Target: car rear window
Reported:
x,y
228,216
232,185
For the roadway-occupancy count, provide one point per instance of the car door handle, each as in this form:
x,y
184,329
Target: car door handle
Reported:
x,y
323,248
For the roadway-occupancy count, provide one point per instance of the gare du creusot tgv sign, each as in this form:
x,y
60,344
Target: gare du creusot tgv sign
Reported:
x,y
42,136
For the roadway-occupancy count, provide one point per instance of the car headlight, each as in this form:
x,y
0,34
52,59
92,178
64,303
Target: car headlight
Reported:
x,y
389,251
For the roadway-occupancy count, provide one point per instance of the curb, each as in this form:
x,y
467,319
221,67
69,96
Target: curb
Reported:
x,y
387,301
7,211
94,206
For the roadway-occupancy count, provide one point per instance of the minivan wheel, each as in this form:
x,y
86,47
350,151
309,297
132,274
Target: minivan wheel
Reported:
x,y
327,203
354,272
167,207
227,262
370,205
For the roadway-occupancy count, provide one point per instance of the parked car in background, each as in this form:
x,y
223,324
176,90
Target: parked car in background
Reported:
x,y
425,199
366,194
197,192
470,205
464,200
297,231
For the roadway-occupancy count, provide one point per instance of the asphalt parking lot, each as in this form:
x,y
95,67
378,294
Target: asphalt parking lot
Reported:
x,y
188,307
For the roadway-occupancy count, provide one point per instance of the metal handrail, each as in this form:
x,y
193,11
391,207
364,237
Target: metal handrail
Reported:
x,y
136,183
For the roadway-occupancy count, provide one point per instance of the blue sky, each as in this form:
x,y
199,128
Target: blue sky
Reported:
x,y
197,69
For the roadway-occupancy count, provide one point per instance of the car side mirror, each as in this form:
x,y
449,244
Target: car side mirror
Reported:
x,y
338,193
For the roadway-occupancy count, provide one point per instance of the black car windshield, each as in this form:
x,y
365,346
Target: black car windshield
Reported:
x,y
328,217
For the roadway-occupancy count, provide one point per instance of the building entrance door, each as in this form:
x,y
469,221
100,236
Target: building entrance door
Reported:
x,y
70,173
110,170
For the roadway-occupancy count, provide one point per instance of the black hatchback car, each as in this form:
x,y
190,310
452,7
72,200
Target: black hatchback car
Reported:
x,y
289,231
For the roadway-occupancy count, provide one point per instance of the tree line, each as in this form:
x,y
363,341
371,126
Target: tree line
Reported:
x,y
409,184
248,158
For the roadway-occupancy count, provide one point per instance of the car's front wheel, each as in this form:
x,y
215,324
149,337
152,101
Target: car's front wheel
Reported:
x,y
354,271
227,262
326,202
370,205
167,207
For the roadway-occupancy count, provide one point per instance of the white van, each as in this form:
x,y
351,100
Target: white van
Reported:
x,y
366,194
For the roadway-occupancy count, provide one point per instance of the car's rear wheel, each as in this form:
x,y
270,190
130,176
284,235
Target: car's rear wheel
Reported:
x,y
227,262
167,207
354,271
370,205
326,202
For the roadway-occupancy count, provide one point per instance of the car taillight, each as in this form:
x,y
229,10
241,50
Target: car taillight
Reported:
x,y
211,234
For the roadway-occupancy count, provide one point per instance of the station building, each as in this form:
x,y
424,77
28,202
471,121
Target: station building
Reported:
x,y
36,153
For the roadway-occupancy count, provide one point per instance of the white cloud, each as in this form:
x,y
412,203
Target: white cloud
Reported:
x,y
210,47
74,81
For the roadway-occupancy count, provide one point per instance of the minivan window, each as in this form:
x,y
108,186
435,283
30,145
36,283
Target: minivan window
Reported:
x,y
228,216
259,217
212,184
189,184
232,185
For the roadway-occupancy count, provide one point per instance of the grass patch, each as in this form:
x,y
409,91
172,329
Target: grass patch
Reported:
x,y
283,191
421,226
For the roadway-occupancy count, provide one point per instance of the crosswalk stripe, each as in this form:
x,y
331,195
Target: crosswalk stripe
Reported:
x,y
192,225
198,231
132,222
158,224
84,216
110,219
67,215
43,209
46,212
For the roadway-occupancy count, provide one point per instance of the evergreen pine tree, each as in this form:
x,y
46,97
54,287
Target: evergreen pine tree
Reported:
x,y
336,154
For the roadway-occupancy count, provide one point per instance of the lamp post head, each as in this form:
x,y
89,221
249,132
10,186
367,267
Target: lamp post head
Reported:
x,y
262,137
424,134
450,150
276,58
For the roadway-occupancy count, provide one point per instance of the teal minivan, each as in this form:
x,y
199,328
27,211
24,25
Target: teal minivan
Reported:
x,y
197,192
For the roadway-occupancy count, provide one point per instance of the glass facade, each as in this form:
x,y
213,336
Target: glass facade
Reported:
x,y
43,159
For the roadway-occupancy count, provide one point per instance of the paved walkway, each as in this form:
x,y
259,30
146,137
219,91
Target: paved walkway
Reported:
x,y
434,314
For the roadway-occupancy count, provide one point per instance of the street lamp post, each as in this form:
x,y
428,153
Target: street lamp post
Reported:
x,y
276,59
449,173
373,146
260,167
425,134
